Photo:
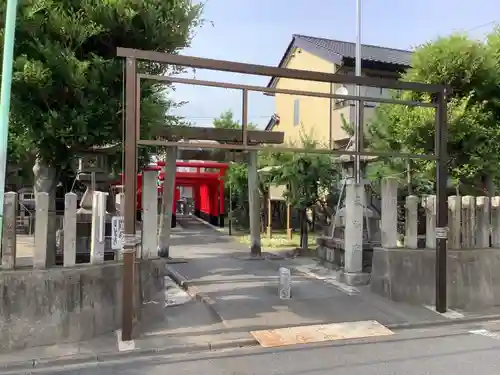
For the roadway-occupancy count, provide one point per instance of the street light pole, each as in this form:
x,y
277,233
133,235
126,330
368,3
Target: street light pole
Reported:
x,y
5,91
359,106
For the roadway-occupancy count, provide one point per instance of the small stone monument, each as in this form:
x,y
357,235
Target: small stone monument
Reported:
x,y
93,172
285,283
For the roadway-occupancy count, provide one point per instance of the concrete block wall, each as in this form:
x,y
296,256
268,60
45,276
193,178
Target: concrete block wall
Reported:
x,y
59,305
407,273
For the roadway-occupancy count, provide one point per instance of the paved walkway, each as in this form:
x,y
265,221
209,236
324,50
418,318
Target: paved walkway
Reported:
x,y
244,292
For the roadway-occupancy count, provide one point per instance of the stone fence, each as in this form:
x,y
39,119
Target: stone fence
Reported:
x,y
95,226
406,271
46,305
473,222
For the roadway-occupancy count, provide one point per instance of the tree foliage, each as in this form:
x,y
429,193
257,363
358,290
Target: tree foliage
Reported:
x,y
472,70
236,183
226,120
68,86
311,179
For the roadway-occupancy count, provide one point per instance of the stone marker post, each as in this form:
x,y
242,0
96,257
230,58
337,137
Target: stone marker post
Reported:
x,y
150,215
495,222
429,204
389,192
40,254
482,222
353,258
411,221
454,221
9,230
167,203
69,226
97,237
468,221
285,283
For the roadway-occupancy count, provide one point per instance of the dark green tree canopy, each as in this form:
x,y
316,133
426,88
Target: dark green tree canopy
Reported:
x,y
68,85
471,69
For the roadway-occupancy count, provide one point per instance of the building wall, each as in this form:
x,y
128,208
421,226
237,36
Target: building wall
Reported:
x,y
310,116
313,112
347,110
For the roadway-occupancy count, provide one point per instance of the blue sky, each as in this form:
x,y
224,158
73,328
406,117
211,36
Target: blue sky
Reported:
x,y
258,31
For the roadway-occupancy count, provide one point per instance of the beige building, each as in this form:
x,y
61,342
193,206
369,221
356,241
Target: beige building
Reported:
x,y
321,118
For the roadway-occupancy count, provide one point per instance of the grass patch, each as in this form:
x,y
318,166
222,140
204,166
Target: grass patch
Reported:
x,y
277,241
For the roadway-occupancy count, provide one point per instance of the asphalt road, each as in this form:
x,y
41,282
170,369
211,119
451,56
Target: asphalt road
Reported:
x,y
444,351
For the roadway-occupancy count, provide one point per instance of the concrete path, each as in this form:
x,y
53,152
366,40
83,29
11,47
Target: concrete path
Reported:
x,y
244,292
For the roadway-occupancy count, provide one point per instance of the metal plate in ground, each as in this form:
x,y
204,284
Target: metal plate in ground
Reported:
x,y
319,333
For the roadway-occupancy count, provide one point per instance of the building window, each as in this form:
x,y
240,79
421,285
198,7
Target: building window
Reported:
x,y
296,112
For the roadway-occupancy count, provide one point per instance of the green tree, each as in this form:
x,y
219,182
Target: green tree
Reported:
x,y
311,179
67,89
236,183
226,120
470,68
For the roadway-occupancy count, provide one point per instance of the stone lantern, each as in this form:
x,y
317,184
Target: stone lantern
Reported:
x,y
331,248
93,171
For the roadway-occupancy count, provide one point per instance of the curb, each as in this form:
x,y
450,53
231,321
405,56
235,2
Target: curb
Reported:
x,y
194,292
218,229
79,359
443,322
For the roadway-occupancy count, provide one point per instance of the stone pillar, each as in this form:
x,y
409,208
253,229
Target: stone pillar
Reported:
x,y
429,204
119,202
389,192
353,256
150,215
254,204
495,222
454,221
69,226
40,253
9,230
411,220
97,236
482,222
167,203
468,221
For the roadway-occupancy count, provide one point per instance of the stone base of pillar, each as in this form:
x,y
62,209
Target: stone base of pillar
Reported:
x,y
174,221
221,221
255,250
355,278
204,216
196,213
214,220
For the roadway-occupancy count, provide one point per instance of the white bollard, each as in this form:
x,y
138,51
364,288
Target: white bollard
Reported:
x,y
285,283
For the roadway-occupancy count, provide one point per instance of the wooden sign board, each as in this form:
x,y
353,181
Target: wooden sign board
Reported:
x,y
277,192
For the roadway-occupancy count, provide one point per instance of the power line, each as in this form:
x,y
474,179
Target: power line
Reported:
x,y
480,26
217,117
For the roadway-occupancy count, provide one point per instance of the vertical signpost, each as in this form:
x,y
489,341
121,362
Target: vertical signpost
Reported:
x,y
117,232
5,91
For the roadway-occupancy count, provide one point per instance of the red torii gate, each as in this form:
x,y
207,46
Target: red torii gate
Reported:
x,y
208,188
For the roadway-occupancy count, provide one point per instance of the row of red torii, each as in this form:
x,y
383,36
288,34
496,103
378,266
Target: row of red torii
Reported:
x,y
207,187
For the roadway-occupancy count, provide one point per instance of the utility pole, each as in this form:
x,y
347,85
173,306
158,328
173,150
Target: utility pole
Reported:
x,y
5,91
359,106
